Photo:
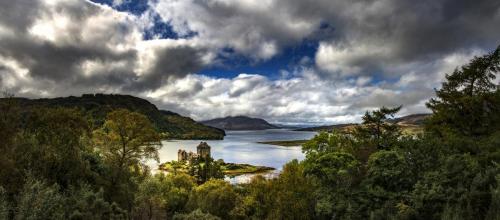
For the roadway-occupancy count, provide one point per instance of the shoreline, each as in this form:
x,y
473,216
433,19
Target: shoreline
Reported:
x,y
235,169
229,169
288,143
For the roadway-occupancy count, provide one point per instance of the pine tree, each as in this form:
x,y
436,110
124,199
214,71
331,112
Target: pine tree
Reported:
x,y
468,104
377,129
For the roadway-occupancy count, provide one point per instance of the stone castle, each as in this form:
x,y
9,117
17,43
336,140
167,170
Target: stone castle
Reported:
x,y
202,151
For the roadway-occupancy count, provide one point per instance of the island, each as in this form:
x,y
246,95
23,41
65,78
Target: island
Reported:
x,y
228,169
187,160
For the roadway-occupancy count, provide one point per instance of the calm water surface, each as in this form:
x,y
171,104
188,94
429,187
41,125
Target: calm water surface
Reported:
x,y
241,147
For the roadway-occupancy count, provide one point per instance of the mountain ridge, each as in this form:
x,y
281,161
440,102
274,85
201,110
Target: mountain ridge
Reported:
x,y
239,123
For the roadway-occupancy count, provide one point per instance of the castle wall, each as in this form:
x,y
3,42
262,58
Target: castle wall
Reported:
x,y
202,151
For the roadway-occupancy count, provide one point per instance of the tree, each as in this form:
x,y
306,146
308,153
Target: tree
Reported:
x,y
150,197
161,196
389,171
453,187
84,203
325,142
377,129
9,121
336,169
55,146
11,176
494,209
4,204
257,200
178,195
38,200
292,194
204,169
216,197
125,140
196,215
468,104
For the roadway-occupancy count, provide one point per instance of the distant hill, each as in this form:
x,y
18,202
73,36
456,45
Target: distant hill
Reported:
x,y
97,106
326,127
415,119
240,123
286,126
410,124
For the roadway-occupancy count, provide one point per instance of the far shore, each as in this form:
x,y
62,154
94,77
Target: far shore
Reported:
x,y
292,143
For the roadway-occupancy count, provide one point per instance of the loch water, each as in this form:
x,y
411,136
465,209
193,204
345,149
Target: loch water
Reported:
x,y
242,147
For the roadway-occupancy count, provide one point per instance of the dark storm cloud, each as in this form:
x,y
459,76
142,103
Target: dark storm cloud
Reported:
x,y
48,60
395,32
18,14
426,28
172,62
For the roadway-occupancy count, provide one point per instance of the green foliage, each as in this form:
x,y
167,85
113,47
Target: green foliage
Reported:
x,y
389,171
494,208
57,146
328,142
97,107
256,203
292,194
10,128
377,130
4,204
468,104
87,204
337,169
38,200
204,169
186,128
216,197
125,140
162,196
196,215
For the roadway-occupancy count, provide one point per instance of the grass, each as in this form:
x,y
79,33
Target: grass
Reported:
x,y
230,169
234,169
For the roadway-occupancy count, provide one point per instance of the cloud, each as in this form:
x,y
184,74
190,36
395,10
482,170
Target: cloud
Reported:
x,y
257,29
369,53
378,36
87,47
305,98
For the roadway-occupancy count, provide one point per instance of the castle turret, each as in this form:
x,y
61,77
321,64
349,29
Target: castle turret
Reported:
x,y
182,155
203,150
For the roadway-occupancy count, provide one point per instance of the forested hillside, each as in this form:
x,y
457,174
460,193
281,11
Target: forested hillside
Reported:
x,y
97,106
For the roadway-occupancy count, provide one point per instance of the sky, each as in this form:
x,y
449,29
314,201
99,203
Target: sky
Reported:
x,y
287,61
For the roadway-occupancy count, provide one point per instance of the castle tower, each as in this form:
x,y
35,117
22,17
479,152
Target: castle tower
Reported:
x,y
203,150
182,155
